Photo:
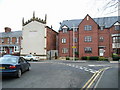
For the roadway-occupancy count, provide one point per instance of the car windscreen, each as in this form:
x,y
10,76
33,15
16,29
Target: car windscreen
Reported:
x,y
8,60
28,56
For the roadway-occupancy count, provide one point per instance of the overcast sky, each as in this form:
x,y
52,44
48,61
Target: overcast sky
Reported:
x,y
12,11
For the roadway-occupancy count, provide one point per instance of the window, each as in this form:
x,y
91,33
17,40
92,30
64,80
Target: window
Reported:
x,y
75,40
88,39
116,39
101,28
63,40
16,48
101,39
2,40
64,50
117,27
64,30
11,40
17,39
75,29
75,49
88,50
2,49
87,27
8,40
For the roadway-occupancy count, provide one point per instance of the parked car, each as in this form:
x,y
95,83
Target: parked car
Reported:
x,y
31,58
13,66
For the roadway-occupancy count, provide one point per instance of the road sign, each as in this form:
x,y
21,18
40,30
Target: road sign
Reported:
x,y
73,47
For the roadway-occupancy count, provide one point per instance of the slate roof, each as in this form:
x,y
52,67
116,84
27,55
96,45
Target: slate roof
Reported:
x,y
106,21
11,34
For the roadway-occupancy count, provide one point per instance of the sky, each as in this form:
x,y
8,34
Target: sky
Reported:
x,y
12,11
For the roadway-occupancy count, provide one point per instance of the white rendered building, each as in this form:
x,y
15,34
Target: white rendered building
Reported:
x,y
34,37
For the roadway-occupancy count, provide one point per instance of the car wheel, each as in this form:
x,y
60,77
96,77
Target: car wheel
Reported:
x,y
29,68
19,73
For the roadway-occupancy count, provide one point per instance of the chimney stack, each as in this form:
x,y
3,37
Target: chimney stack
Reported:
x,y
7,29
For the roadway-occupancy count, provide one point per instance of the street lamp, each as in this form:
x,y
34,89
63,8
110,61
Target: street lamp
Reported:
x,y
73,44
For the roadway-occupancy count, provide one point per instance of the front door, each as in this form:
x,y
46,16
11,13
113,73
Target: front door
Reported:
x,y
101,52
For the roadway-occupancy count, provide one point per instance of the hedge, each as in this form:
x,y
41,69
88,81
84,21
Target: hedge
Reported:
x,y
116,58
84,58
94,58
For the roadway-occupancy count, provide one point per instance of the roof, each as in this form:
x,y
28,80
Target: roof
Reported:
x,y
11,34
106,21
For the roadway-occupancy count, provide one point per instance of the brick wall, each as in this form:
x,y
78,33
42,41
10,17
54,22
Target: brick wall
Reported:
x,y
51,39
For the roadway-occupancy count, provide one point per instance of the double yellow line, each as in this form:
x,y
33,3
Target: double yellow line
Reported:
x,y
93,78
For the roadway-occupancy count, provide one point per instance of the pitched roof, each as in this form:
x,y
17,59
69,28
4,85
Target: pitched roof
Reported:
x,y
11,34
106,21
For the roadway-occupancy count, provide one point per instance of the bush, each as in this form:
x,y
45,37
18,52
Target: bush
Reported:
x,y
102,59
84,58
76,59
94,58
67,58
116,58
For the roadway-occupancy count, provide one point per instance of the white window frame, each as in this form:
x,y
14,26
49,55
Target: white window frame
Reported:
x,y
16,48
64,40
87,27
8,40
64,50
2,40
101,39
75,39
117,27
88,38
64,28
88,50
17,39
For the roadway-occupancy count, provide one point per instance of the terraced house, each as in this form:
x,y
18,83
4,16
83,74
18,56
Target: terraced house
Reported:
x,y
91,37
10,42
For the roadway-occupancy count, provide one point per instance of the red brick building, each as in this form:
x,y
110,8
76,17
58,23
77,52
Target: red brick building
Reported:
x,y
92,37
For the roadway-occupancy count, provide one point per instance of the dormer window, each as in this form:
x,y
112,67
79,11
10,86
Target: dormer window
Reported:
x,y
64,28
101,28
117,26
75,29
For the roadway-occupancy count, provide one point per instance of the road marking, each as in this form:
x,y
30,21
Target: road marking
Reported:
x,y
71,65
96,65
90,82
100,77
76,67
81,68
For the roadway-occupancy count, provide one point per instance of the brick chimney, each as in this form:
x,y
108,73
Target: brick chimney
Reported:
x,y
7,29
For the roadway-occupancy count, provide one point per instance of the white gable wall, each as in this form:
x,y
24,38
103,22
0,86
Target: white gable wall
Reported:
x,y
34,40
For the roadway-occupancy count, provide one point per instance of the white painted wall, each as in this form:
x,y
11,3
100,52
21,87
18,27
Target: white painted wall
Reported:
x,y
34,40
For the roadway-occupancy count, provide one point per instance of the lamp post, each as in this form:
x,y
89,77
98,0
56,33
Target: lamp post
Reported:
x,y
73,47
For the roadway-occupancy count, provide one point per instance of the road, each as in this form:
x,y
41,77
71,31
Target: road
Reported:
x,y
61,74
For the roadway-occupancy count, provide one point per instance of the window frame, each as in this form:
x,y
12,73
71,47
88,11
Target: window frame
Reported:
x,y
64,50
101,38
88,49
117,27
63,40
88,39
88,27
